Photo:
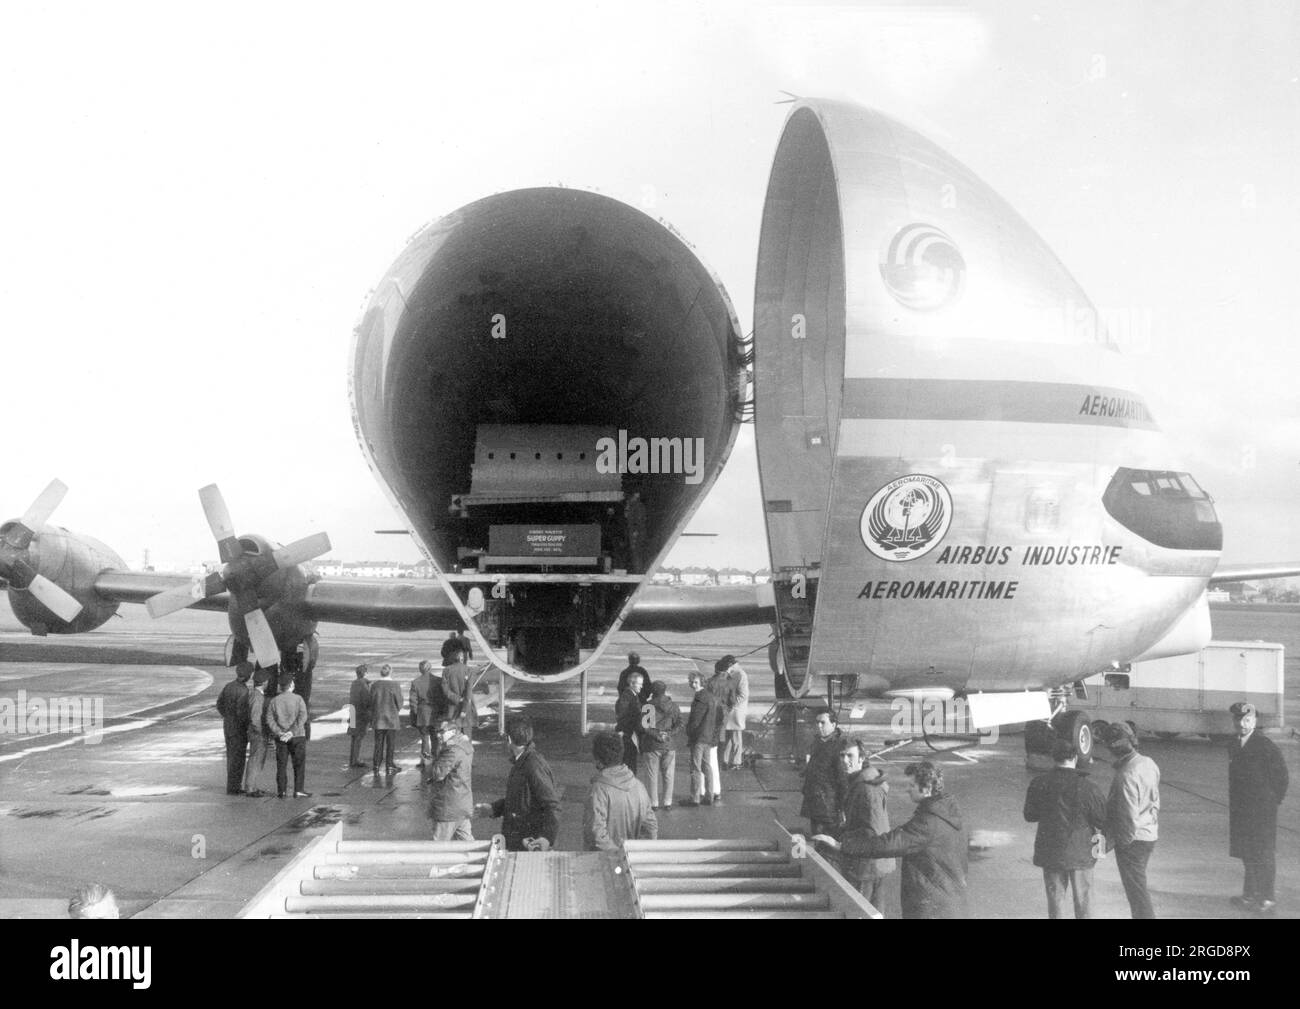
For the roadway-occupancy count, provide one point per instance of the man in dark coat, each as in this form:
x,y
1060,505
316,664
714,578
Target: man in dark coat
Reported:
x,y
1070,811
634,666
359,698
932,845
386,717
457,641
233,705
424,713
530,811
866,814
627,718
702,738
659,743
1257,784
824,778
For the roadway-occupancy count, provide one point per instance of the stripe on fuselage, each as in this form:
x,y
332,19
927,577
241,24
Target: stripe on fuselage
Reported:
x,y
993,400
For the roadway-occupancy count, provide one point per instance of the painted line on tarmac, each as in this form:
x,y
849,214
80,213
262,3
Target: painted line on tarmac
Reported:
x,y
116,724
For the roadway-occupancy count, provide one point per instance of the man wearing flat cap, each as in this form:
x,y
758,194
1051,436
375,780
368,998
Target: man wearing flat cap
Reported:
x,y
1132,815
1257,783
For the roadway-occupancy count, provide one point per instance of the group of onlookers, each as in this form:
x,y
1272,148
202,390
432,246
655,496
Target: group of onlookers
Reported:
x,y
255,725
844,801
650,724
1077,826
433,696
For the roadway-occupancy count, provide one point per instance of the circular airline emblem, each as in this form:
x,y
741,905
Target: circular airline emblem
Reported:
x,y
907,518
922,268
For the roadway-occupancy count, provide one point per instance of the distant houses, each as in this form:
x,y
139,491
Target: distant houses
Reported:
x,y
330,568
371,569
710,576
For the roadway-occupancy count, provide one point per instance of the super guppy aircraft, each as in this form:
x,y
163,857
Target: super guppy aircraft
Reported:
x,y
965,494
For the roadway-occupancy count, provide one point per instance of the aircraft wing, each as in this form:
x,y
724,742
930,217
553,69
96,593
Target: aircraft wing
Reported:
x,y
701,607
139,586
412,604
1226,574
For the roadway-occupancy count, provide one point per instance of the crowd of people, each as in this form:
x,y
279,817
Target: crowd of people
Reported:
x,y
844,796
844,801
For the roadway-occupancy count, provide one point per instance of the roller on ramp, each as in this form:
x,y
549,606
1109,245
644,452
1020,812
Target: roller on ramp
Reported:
x,y
712,878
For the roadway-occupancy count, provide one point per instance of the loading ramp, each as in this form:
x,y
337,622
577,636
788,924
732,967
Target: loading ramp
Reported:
x,y
708,878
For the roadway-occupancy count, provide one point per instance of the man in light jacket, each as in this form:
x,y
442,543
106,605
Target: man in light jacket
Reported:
x,y
1132,816
260,741
451,796
618,806
733,750
286,717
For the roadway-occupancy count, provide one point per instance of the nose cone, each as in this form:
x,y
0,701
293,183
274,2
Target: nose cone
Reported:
x,y
939,406
929,250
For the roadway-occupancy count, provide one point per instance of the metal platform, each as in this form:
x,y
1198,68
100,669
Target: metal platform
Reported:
x,y
337,878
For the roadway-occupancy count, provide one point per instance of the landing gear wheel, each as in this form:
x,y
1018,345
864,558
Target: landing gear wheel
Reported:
x,y
1074,726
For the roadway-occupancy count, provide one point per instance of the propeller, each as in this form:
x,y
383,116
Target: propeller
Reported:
x,y
18,571
241,573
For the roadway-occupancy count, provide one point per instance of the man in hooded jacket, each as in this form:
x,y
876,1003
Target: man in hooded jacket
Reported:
x,y
451,796
618,806
932,845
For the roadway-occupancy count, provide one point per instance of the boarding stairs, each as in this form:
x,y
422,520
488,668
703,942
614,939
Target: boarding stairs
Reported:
x,y
337,878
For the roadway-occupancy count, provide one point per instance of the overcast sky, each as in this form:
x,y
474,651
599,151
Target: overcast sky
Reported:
x,y
194,206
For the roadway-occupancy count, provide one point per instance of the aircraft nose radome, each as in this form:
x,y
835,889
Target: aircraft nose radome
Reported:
x,y
954,322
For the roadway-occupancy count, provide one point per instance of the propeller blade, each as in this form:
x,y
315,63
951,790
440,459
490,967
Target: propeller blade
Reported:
x,y
184,595
54,599
300,551
259,633
43,507
218,515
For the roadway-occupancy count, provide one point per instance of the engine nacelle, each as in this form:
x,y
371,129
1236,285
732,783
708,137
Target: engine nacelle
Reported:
x,y
73,562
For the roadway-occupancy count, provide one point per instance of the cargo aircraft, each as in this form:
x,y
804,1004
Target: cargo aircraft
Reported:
x,y
965,493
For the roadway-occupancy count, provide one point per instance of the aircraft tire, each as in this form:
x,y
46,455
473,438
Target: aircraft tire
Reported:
x,y
1074,726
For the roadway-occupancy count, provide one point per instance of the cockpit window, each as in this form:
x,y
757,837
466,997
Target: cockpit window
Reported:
x,y
1167,509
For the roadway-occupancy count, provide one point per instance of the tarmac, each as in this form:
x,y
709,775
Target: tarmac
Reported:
x,y
144,810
